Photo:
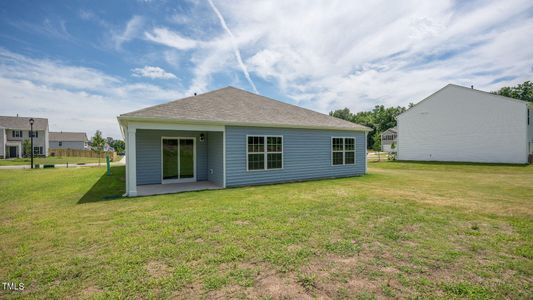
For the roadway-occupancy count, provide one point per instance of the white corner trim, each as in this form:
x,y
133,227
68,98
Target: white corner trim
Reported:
x,y
224,156
366,152
131,162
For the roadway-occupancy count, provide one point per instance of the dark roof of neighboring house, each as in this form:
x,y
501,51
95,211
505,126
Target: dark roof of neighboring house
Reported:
x,y
23,123
238,107
64,136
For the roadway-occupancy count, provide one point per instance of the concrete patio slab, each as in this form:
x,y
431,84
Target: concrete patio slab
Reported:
x,y
158,189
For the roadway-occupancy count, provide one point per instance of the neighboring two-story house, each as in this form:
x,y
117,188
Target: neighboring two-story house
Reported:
x,y
13,132
389,137
69,140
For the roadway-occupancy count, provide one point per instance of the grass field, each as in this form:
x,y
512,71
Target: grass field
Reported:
x,y
49,160
405,230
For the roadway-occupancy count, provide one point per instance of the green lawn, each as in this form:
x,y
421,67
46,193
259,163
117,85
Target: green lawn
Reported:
x,y
405,230
49,160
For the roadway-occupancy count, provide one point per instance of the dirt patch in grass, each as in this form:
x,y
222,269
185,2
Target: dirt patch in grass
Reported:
x,y
192,291
272,284
241,223
157,269
90,291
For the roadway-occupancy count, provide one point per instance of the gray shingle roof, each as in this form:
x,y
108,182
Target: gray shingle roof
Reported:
x,y
68,136
23,123
391,130
235,106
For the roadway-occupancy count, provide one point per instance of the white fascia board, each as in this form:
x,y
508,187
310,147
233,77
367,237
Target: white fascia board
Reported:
x,y
174,126
220,125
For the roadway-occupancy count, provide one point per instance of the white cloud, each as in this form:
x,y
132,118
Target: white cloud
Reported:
x,y
152,72
335,54
131,31
72,97
169,38
234,44
322,55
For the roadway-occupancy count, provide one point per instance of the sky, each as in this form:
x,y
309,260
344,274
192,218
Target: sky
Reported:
x,y
82,63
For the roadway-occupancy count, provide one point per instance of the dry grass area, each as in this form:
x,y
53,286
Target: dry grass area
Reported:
x,y
405,230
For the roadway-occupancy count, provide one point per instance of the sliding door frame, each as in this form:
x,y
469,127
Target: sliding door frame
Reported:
x,y
179,179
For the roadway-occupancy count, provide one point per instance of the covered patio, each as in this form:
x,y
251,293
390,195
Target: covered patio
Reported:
x,y
164,158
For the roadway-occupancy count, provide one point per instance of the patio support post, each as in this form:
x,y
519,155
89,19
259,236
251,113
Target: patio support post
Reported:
x,y
131,162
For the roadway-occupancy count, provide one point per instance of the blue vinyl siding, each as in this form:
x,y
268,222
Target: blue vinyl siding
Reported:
x,y
148,143
306,155
215,161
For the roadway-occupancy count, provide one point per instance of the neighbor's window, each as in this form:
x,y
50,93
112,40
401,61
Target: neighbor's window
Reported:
x,y
60,144
38,150
16,133
343,151
265,152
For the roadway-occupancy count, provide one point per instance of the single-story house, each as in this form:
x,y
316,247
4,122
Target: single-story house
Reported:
x,y
69,140
229,138
389,138
15,130
466,125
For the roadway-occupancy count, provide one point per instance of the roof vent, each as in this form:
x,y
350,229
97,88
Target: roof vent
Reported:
x,y
17,115
195,94
472,87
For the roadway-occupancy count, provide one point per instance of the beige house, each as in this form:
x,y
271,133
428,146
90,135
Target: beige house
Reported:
x,y
13,132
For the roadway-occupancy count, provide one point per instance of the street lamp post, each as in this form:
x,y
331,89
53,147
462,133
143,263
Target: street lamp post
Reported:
x,y
31,139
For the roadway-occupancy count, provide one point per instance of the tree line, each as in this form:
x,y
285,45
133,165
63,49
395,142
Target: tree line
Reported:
x,y
381,118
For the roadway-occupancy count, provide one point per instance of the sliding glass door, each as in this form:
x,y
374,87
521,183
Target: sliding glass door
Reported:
x,y
178,160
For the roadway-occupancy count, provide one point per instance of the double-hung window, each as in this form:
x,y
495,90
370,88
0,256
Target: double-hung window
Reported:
x,y
38,150
342,151
16,133
265,152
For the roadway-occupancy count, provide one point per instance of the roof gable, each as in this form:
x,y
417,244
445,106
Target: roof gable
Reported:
x,y
234,106
68,136
23,123
465,90
390,130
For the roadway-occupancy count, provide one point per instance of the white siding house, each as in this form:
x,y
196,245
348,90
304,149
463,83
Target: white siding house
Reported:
x,y
466,125
389,137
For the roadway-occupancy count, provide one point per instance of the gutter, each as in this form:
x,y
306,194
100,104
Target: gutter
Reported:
x,y
123,120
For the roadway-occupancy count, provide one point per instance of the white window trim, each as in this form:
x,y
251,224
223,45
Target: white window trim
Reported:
x,y
344,150
40,150
19,134
265,152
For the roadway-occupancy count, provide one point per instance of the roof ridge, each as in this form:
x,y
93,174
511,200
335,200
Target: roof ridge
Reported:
x,y
285,103
490,93
175,100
